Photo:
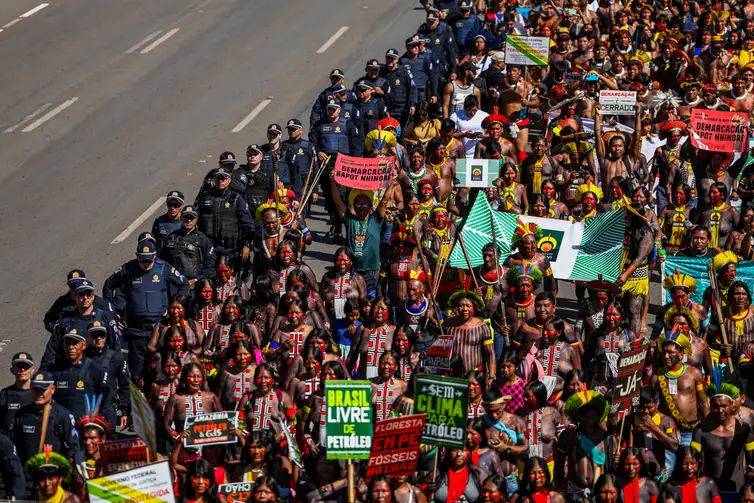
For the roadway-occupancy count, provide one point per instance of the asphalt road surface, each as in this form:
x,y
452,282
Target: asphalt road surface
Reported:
x,y
105,106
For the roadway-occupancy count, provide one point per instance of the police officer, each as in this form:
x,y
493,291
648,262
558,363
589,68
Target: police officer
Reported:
x,y
440,42
319,109
224,217
371,109
272,151
380,85
448,8
421,68
189,250
226,161
257,183
18,394
77,376
61,431
78,317
331,137
68,299
346,99
463,24
118,376
148,283
11,471
169,221
402,96
299,154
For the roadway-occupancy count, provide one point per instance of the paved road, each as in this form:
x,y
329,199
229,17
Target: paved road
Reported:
x,y
105,106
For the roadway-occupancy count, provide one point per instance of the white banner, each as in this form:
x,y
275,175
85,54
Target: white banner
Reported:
x,y
531,51
559,243
146,484
614,102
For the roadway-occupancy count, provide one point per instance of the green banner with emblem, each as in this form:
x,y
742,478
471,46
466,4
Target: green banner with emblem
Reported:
x,y
445,401
348,425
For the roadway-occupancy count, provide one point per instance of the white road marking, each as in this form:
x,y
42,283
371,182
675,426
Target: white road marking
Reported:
x,y
144,41
139,220
29,117
159,40
34,10
49,115
332,39
8,25
245,122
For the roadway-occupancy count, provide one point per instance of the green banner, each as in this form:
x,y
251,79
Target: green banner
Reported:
x,y
697,269
445,401
348,428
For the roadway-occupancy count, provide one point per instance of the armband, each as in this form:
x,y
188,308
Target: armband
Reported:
x,y
699,387
749,447
305,230
697,446
306,409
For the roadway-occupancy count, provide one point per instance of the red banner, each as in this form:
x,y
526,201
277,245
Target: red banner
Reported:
x,y
359,173
719,131
395,446
123,455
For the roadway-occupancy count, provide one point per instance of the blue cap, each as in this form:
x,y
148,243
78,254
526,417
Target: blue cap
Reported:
x,y
96,326
415,39
464,5
333,103
223,172
189,210
22,357
294,124
227,158
42,379
146,250
74,334
83,286
146,236
392,54
176,195
340,88
337,73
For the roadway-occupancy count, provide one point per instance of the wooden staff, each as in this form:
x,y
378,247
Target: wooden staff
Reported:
x,y
351,483
275,161
468,260
425,265
43,430
304,189
718,310
620,432
320,170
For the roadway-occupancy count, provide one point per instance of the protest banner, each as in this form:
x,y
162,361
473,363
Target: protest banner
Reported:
x,y
211,429
697,268
477,172
576,250
363,173
123,455
236,492
615,102
628,382
718,131
395,446
146,484
437,357
531,51
445,401
348,428
143,418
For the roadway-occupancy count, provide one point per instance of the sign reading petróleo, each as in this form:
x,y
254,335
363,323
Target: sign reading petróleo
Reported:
x,y
395,447
348,428
614,102
531,51
445,401
209,429
628,383
122,455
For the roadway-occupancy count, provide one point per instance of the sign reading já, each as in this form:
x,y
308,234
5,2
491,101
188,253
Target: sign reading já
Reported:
x,y
628,383
445,401
348,425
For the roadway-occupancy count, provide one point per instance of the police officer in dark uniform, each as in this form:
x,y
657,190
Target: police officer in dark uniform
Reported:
x,y
257,183
61,426
11,471
371,109
68,299
270,152
18,394
441,43
114,362
299,154
226,161
319,109
380,85
148,283
169,221
77,376
336,135
402,96
463,24
448,7
346,99
79,317
189,250
421,68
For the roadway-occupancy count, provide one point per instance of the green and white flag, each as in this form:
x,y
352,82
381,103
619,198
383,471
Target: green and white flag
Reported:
x,y
577,251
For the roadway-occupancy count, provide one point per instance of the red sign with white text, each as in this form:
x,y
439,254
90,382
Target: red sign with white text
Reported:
x,y
718,131
395,446
364,173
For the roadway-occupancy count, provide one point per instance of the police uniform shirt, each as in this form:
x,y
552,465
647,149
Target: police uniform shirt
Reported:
x,y
402,92
298,155
75,381
72,319
162,227
224,217
12,400
193,254
119,376
268,165
52,316
11,471
341,136
61,432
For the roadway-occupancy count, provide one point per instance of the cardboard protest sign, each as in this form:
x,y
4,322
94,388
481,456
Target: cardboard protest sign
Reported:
x,y
143,418
348,428
395,447
236,492
445,401
210,429
437,356
718,131
146,484
615,102
122,455
363,173
531,51
628,383
477,172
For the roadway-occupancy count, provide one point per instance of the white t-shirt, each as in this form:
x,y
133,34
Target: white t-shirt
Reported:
x,y
474,124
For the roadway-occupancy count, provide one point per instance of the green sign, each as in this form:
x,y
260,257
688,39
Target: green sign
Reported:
x,y
445,401
348,428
